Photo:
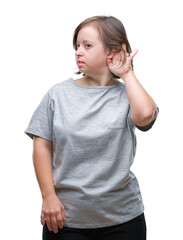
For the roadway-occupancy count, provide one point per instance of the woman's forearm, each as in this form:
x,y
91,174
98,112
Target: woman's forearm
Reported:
x,y
143,107
42,158
52,209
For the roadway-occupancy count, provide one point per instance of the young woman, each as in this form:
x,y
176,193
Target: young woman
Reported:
x,y
84,140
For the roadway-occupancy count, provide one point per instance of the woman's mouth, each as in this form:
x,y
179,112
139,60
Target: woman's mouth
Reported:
x,y
79,63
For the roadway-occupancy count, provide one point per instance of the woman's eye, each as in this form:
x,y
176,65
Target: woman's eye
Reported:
x,y
87,45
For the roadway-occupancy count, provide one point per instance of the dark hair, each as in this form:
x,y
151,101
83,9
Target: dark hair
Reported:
x,y
111,32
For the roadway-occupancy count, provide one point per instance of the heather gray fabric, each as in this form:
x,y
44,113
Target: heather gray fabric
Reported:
x,y
94,146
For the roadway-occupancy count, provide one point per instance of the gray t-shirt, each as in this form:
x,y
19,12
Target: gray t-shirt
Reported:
x,y
94,146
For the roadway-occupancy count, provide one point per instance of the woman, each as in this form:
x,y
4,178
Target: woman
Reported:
x,y
84,140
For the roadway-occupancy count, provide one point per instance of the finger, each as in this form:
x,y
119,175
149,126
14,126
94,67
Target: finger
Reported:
x,y
42,219
120,63
54,224
119,55
59,220
132,55
48,223
123,56
129,61
127,54
63,212
124,47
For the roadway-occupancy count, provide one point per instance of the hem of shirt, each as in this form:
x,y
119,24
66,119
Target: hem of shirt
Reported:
x,y
88,226
31,132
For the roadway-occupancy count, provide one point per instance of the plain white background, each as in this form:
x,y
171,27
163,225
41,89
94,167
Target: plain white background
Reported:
x,y
36,52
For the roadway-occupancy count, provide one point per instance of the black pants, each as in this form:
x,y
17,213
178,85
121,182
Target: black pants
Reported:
x,y
134,229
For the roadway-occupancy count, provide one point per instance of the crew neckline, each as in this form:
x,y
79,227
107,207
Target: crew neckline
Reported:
x,y
100,87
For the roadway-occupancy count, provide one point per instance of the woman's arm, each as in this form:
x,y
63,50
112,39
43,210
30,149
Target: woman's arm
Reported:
x,y
143,108
52,208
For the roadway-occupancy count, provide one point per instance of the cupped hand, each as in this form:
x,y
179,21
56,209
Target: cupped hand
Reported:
x,y
120,63
53,212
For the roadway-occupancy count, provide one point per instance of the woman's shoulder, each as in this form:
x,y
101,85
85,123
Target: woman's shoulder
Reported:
x,y
57,87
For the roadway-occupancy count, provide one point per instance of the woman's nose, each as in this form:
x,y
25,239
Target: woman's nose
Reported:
x,y
78,51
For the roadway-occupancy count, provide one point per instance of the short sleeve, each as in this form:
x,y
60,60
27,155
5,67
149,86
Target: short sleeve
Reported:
x,y
41,123
143,128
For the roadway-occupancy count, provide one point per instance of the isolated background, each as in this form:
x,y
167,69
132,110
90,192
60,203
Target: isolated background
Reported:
x,y
36,52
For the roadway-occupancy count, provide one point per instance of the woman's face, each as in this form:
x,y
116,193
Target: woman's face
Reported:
x,y
90,51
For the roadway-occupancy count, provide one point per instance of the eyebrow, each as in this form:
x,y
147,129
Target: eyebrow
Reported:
x,y
85,41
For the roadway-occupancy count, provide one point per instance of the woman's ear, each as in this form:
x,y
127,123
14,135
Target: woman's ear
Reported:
x,y
110,54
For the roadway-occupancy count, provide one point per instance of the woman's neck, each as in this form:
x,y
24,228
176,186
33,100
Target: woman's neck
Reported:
x,y
104,81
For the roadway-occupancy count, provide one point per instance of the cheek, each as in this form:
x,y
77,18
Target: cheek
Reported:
x,y
98,58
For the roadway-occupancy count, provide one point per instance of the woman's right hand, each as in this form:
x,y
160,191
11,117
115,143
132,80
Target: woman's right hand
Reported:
x,y
53,212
